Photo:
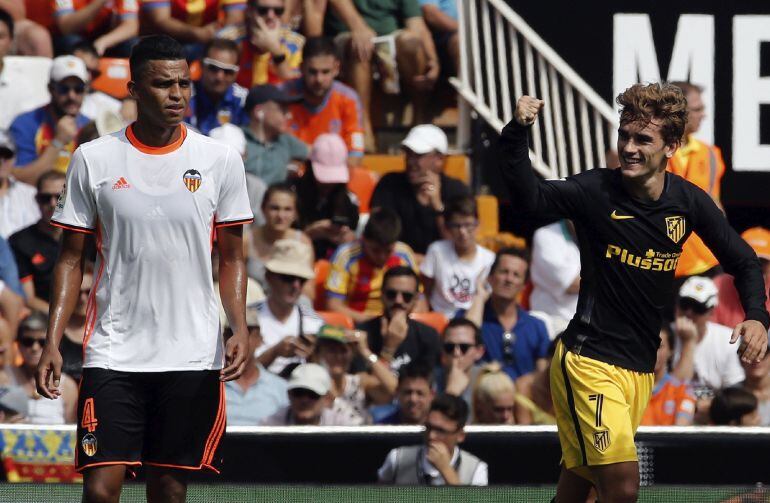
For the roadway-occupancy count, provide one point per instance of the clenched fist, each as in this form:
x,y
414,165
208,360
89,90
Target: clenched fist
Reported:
x,y
527,109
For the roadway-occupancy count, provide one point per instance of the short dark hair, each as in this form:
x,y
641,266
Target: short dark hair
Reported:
x,y
399,271
6,18
278,188
731,404
453,407
415,370
85,46
319,46
510,251
383,227
463,206
153,48
47,176
223,44
464,322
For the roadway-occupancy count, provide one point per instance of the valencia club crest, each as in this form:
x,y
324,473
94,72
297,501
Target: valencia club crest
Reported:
x,y
192,179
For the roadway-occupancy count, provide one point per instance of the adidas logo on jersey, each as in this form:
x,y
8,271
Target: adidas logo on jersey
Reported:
x,y
121,184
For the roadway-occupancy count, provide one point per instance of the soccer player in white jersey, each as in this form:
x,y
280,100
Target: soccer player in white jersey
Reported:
x,y
153,194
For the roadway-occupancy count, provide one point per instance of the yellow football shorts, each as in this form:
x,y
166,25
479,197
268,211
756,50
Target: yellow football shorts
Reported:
x,y
598,408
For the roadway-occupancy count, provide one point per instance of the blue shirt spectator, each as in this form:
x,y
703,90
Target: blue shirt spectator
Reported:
x,y
9,273
262,398
217,99
448,7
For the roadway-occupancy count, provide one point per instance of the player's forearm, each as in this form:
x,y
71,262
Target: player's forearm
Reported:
x,y
515,166
67,278
77,21
232,288
126,30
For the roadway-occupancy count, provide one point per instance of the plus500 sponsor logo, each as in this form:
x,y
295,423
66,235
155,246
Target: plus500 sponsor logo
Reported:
x,y
652,261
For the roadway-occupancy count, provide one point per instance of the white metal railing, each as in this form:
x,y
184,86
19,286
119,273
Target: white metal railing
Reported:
x,y
503,58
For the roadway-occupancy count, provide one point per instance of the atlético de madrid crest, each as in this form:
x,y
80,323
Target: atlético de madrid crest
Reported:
x,y
192,179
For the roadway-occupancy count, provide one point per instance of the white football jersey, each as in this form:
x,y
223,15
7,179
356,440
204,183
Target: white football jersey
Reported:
x,y
154,211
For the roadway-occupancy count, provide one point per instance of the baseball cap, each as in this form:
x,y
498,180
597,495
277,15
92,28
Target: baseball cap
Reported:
x,y
310,376
68,66
14,400
426,138
7,144
332,333
268,92
329,159
700,289
759,239
291,257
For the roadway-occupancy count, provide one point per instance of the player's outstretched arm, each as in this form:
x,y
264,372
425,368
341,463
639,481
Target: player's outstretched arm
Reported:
x,y
232,288
527,191
737,258
67,277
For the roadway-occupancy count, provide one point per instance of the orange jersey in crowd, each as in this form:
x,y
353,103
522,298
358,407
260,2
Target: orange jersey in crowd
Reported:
x,y
341,113
671,400
702,165
112,13
195,12
258,69
356,280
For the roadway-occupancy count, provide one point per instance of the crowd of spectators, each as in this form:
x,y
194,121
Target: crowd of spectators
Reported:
x,y
290,87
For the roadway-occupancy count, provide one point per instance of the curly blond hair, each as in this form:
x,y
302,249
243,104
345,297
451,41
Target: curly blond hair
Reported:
x,y
490,382
662,101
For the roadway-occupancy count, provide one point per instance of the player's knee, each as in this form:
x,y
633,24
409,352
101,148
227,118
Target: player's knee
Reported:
x,y
100,491
621,491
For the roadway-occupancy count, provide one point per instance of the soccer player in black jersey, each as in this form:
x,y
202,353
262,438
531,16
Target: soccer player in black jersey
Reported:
x,y
631,223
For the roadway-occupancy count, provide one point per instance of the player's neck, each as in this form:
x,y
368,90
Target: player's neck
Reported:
x,y
647,188
155,135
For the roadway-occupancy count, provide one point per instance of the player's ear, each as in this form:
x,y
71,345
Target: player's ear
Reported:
x,y
670,148
131,85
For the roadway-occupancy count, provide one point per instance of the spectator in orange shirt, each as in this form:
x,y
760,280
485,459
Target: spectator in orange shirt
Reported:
x,y
108,24
271,52
702,164
327,106
193,22
672,402
729,311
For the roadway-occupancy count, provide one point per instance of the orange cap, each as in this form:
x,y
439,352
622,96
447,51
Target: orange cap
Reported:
x,y
759,239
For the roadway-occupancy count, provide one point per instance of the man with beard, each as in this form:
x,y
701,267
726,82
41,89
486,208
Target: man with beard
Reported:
x,y
327,106
46,137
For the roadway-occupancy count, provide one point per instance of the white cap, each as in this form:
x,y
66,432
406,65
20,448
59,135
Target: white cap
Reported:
x,y
68,66
426,138
700,289
232,135
310,376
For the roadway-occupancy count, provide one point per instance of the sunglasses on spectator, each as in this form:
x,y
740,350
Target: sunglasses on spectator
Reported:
x,y
263,11
213,65
392,295
688,304
288,278
449,347
304,393
46,197
62,88
438,429
6,153
458,225
29,342
509,338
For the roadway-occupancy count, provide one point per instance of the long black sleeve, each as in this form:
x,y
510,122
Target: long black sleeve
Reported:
x,y
562,198
734,254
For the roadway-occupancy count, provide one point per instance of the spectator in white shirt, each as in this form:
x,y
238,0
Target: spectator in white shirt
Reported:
x,y
18,208
451,267
555,273
717,364
438,461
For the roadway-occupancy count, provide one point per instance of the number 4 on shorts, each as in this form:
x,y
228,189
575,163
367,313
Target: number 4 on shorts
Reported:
x,y
89,421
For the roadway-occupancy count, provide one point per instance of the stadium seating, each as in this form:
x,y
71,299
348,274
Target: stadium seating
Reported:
x,y
321,269
114,77
433,319
457,166
336,319
362,183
